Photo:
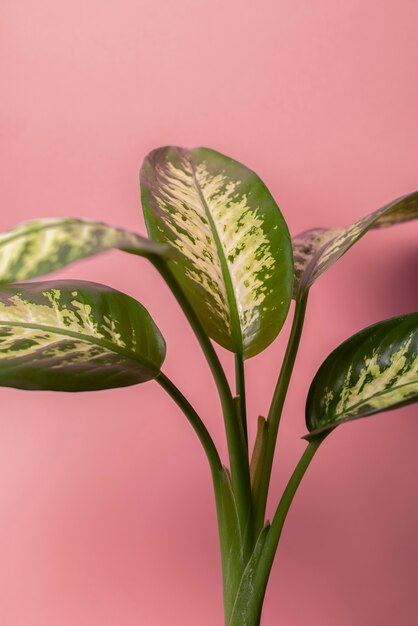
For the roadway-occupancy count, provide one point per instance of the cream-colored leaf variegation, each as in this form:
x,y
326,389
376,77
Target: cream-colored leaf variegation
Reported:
x,y
317,249
232,248
75,336
38,247
373,371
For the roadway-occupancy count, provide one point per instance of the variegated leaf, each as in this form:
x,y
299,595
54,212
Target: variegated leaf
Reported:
x,y
233,254
373,371
317,249
75,336
39,247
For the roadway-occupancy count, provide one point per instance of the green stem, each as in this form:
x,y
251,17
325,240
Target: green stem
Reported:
x,y
229,533
273,537
250,604
237,449
275,412
240,392
194,419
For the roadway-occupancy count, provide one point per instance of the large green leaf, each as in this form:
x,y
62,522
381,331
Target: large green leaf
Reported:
x,y
75,336
38,247
373,371
317,249
233,254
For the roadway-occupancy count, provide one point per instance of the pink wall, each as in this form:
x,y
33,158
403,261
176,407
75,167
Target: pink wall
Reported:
x,y
106,511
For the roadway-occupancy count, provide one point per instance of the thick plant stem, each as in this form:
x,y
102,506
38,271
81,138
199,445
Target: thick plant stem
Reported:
x,y
237,449
249,602
194,419
240,392
275,412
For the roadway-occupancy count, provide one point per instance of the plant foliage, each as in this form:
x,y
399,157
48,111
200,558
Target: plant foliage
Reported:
x,y
219,240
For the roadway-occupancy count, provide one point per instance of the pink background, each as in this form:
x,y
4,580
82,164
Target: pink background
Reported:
x,y
106,509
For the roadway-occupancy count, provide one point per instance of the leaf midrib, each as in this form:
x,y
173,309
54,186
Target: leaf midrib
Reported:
x,y
229,287
86,338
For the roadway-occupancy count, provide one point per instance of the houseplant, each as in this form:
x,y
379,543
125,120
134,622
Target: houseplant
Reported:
x,y
219,241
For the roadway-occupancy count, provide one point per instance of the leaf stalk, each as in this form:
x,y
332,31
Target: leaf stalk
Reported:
x,y
237,449
250,597
194,419
275,413
241,393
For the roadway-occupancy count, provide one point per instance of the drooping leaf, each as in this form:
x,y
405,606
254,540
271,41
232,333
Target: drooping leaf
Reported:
x,y
75,336
39,247
317,249
233,254
373,371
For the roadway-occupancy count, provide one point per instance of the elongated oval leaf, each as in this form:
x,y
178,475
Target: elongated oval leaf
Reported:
x,y
232,245
75,336
39,247
373,371
317,249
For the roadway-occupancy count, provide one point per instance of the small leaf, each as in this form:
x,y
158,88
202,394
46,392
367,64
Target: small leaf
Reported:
x,y
373,371
75,336
233,255
317,249
39,247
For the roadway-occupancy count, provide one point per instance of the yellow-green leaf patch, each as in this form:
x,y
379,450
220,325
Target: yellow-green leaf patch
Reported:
x,y
233,255
38,247
75,336
373,371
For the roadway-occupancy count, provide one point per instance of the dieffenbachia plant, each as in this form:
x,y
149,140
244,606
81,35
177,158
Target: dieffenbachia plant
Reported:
x,y
220,242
